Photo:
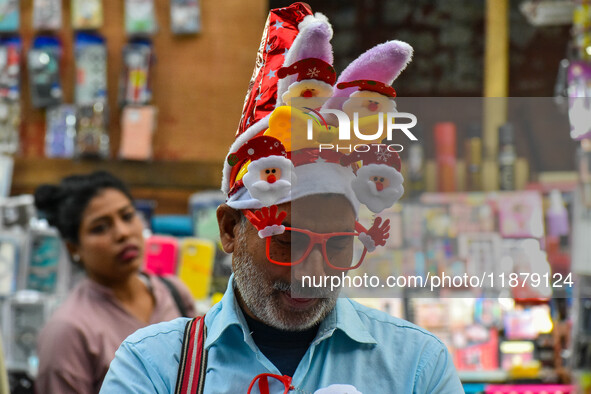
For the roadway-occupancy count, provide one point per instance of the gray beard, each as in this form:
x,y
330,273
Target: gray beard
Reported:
x,y
262,297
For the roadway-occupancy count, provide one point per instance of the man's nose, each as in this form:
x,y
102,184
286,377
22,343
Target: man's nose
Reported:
x,y
312,266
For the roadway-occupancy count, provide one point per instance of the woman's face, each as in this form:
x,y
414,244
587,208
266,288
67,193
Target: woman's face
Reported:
x,y
111,244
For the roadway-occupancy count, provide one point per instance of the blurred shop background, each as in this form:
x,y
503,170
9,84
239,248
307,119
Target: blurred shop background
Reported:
x,y
499,181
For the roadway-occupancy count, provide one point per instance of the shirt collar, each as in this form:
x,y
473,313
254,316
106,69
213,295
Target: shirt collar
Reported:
x,y
227,313
344,317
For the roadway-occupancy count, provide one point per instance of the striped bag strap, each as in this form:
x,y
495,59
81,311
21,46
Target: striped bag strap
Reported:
x,y
191,374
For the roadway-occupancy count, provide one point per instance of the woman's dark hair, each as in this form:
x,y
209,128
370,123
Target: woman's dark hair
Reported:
x,y
62,205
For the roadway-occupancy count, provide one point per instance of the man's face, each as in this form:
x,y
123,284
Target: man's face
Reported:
x,y
265,289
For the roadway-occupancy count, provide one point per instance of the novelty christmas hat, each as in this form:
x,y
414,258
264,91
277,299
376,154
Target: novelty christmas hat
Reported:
x,y
255,177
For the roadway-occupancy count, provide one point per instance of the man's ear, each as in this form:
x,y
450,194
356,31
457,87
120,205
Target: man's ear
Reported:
x,y
228,222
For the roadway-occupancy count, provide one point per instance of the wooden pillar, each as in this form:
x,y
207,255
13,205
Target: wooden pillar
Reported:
x,y
496,82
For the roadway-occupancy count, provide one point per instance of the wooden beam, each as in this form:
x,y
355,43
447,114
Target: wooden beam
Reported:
x,y
29,172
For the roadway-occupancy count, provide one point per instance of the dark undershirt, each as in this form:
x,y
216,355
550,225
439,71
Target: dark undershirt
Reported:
x,y
285,349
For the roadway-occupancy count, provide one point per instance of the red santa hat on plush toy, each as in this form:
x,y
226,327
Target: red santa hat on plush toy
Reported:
x,y
378,183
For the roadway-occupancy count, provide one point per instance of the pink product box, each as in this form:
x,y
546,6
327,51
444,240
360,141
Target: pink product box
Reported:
x,y
161,255
530,389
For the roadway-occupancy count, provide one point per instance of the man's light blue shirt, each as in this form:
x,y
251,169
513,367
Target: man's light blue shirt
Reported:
x,y
355,345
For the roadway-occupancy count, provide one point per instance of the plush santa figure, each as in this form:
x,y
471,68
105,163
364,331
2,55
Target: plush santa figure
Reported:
x,y
314,84
378,183
270,174
372,97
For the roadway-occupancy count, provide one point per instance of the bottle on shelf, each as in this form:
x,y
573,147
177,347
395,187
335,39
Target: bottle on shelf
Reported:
x,y
416,165
445,152
473,157
507,157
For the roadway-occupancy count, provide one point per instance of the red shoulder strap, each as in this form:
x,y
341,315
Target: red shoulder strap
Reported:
x,y
193,362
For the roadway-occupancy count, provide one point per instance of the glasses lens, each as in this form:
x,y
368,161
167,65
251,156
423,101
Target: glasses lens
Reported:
x,y
289,246
344,251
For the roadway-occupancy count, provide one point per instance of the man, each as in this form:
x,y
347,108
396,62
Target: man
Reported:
x,y
269,333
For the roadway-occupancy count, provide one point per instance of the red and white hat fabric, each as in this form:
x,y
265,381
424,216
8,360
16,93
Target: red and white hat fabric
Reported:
x,y
378,182
372,86
310,68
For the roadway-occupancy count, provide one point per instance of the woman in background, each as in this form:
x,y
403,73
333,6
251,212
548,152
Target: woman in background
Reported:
x,y
96,218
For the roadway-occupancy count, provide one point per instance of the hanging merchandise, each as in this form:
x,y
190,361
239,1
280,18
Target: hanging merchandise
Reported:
x,y
140,17
46,262
91,68
10,119
579,98
23,316
9,16
92,138
10,56
60,132
137,129
6,167
137,62
47,14
9,253
17,212
185,16
44,76
10,50
581,30
87,14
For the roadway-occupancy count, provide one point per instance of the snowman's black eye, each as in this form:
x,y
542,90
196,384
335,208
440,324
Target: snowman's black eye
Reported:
x,y
267,171
273,170
375,178
381,179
